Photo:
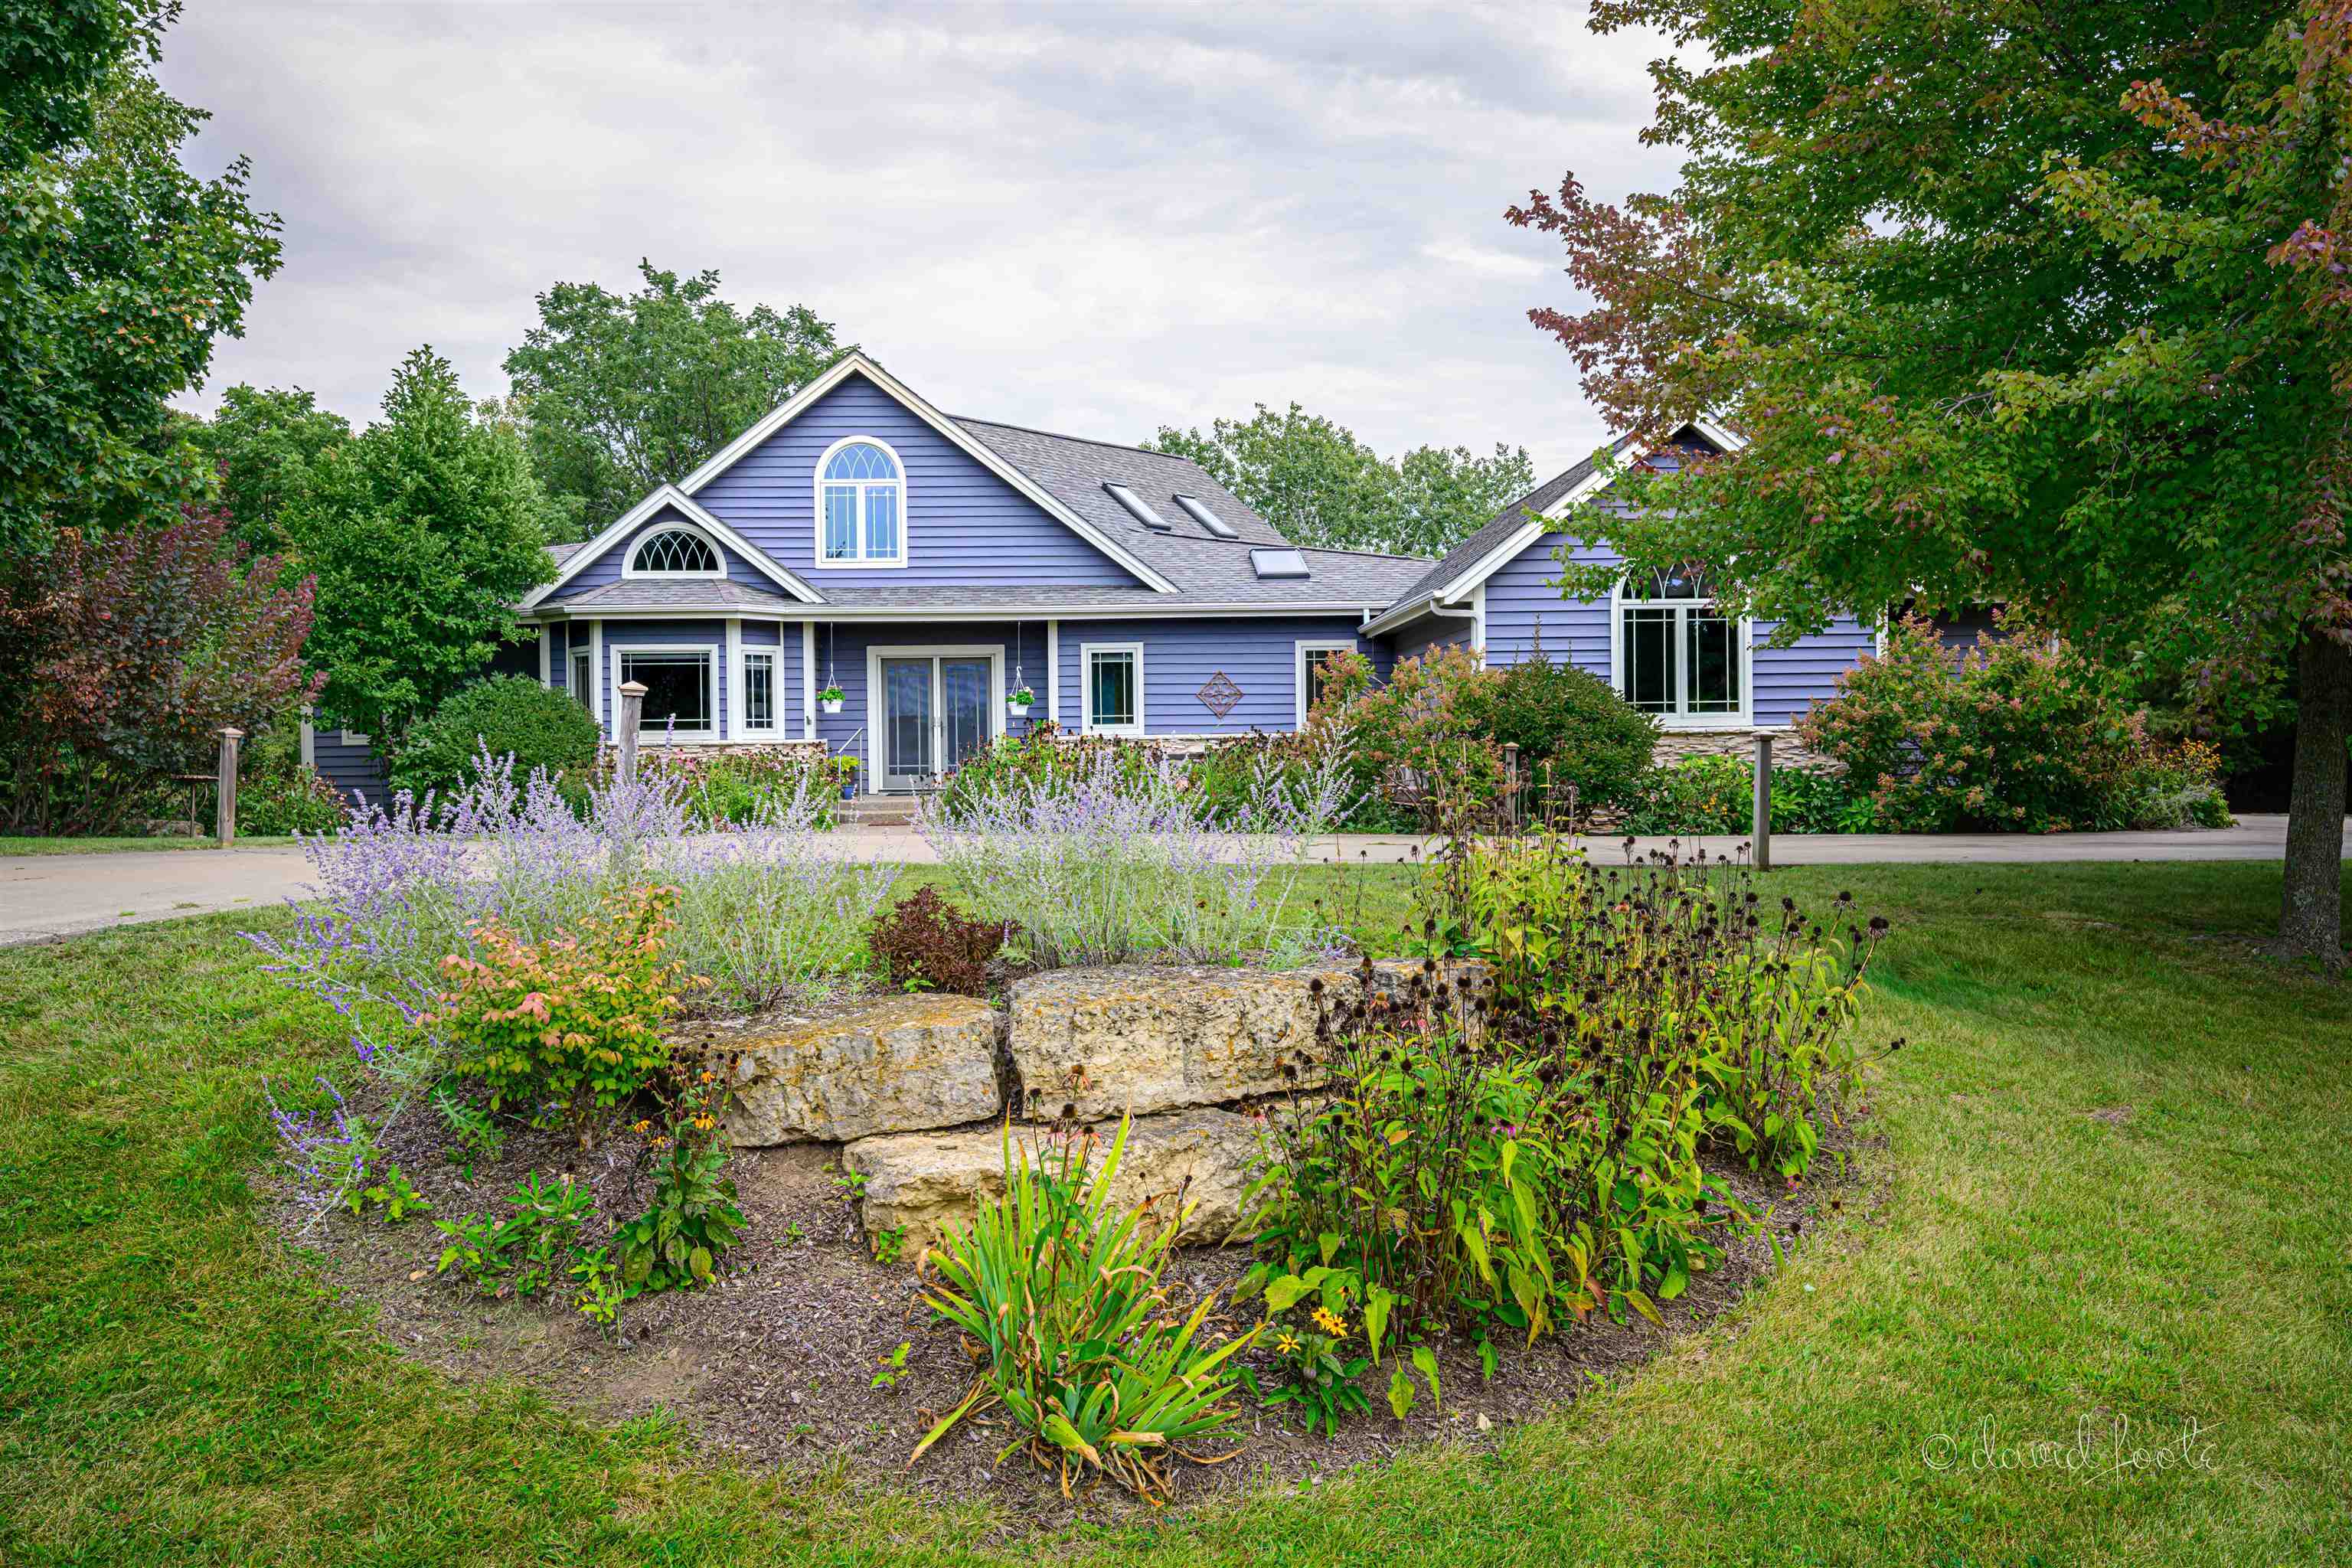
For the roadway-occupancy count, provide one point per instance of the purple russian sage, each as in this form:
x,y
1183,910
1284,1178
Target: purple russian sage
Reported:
x,y
767,908
1096,864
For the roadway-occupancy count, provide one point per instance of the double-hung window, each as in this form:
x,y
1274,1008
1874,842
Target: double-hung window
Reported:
x,y
1312,668
1113,676
1677,656
679,696
861,493
759,690
584,676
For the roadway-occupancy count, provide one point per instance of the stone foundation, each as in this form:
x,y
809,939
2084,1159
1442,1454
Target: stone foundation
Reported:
x,y
1739,745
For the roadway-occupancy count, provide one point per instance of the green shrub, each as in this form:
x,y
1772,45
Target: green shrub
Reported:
x,y
570,1023
296,801
540,726
1572,722
737,787
1078,1339
1716,796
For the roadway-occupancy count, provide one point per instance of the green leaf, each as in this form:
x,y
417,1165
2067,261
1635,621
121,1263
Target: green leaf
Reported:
x,y
1284,1293
1399,1393
1376,1316
1328,1243
1424,1359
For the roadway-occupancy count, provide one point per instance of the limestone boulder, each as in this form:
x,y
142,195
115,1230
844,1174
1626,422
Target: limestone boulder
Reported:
x,y
885,1064
1147,1038
924,1183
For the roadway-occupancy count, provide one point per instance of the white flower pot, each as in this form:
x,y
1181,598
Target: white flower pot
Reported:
x,y
831,705
1017,709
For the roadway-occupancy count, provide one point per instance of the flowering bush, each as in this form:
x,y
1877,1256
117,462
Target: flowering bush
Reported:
x,y
2018,732
734,790
1429,722
293,801
1100,863
572,1023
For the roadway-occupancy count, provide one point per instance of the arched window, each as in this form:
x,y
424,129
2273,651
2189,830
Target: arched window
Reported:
x,y
1675,656
860,505
675,552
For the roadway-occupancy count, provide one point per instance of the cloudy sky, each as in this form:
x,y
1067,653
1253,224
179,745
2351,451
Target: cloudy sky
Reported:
x,y
1094,218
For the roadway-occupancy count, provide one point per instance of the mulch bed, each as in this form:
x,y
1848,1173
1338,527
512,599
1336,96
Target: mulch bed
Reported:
x,y
775,1364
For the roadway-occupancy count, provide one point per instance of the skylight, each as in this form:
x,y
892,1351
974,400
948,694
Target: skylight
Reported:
x,y
1139,507
1209,519
1278,562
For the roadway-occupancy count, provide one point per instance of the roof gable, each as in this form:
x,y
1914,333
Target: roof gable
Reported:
x,y
710,482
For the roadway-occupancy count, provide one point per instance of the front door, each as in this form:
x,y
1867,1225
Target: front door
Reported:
x,y
935,716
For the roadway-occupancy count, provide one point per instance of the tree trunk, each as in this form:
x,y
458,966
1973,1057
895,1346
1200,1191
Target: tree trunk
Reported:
x,y
2311,916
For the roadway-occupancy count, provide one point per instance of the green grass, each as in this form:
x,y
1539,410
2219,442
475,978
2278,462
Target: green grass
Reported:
x,y
177,1389
21,846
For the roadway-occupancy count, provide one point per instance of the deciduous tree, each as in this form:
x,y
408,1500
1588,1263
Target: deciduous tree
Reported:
x,y
1314,480
117,270
626,392
262,447
2017,303
423,531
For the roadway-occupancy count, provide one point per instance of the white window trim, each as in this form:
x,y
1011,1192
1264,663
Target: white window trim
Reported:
x,y
657,735
879,769
861,561
1087,652
1619,602
774,727
1303,653
631,571
1053,671
576,655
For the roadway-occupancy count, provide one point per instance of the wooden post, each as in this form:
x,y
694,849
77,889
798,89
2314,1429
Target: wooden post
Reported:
x,y
225,811
632,710
1761,829
1511,781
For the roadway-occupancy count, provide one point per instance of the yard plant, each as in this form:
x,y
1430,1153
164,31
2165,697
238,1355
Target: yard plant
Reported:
x,y
1098,1368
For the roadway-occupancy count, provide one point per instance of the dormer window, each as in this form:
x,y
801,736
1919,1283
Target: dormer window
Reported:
x,y
675,552
861,504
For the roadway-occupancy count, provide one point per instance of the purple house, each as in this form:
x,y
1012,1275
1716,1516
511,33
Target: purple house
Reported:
x,y
929,569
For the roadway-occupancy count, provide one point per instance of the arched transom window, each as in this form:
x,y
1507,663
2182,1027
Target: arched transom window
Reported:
x,y
861,505
1677,655
675,552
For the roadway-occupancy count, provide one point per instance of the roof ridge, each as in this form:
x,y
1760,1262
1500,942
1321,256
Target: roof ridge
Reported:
x,y
1373,554
1083,440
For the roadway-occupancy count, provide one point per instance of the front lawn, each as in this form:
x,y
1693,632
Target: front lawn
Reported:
x,y
2109,1201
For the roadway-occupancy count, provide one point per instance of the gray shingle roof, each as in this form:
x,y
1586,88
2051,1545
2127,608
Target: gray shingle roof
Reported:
x,y
1499,528
641,594
559,553
1205,569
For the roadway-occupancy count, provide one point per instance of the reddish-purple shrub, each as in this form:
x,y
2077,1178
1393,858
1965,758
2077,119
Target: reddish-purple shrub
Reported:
x,y
137,648
927,942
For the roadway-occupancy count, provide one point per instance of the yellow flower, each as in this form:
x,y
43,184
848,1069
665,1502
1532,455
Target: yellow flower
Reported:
x,y
1287,1344
1330,1322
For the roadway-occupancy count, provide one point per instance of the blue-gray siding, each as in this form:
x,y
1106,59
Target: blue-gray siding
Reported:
x,y
1522,607
351,767
964,524
1257,654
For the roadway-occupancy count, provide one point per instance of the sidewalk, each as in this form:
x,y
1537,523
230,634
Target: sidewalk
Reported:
x,y
44,896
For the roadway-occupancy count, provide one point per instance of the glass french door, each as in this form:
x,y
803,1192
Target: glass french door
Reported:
x,y
935,716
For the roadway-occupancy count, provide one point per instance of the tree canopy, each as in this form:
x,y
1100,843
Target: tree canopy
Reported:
x,y
1319,485
117,270
623,392
2014,304
261,447
423,531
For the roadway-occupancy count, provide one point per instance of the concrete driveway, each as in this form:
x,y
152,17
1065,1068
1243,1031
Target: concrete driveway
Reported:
x,y
44,896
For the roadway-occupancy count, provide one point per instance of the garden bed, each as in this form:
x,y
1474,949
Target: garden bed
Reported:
x,y
775,1363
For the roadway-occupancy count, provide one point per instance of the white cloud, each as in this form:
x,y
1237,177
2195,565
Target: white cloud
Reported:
x,y
1101,219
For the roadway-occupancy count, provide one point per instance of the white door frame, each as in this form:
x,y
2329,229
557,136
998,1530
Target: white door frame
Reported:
x,y
879,775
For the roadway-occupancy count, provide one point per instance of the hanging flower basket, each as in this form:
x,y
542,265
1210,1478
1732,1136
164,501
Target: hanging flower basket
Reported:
x,y
831,699
1018,701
